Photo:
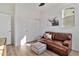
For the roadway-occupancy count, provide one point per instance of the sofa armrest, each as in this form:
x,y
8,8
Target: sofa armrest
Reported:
x,y
43,40
67,43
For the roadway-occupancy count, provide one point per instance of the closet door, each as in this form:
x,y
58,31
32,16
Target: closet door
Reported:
x,y
5,27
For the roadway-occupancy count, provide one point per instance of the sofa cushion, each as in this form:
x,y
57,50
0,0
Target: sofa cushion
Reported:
x,y
54,45
60,37
43,40
58,42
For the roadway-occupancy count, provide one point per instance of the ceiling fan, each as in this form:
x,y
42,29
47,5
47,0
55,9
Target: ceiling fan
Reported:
x,y
41,4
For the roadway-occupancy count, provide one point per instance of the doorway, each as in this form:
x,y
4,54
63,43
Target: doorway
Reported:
x,y
5,27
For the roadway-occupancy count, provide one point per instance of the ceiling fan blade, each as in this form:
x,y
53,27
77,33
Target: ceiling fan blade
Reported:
x,y
41,4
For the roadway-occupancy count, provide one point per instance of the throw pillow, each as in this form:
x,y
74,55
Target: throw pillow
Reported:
x,y
49,36
44,36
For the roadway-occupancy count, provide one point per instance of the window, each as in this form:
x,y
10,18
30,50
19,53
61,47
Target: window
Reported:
x,y
68,15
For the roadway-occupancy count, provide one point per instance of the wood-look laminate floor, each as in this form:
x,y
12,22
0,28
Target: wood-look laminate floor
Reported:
x,y
26,51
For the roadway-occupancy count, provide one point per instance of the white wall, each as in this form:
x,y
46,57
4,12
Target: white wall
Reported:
x,y
26,22
55,10
8,9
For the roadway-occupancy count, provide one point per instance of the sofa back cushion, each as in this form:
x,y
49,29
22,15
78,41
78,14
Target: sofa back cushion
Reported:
x,y
60,37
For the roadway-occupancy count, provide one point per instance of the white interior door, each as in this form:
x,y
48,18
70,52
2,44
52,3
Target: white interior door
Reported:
x,y
5,27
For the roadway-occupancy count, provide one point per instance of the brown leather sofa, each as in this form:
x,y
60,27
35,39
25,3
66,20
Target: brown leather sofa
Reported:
x,y
60,43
